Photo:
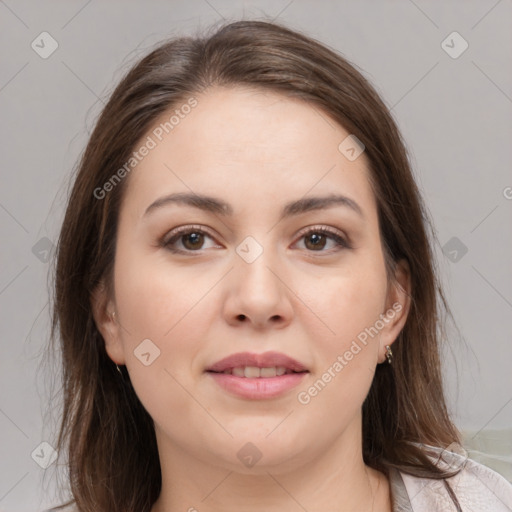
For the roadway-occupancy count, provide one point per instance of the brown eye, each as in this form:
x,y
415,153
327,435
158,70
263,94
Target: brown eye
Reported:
x,y
315,241
323,240
193,240
188,240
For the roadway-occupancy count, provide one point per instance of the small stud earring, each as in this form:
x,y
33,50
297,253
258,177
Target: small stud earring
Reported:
x,y
389,354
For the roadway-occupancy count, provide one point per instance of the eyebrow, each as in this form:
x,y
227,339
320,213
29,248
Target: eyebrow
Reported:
x,y
219,207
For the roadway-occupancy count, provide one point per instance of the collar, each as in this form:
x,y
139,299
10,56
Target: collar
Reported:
x,y
399,498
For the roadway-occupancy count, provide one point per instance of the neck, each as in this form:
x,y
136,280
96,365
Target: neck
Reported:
x,y
335,480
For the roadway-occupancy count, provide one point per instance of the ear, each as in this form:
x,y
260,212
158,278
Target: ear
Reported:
x,y
108,325
398,303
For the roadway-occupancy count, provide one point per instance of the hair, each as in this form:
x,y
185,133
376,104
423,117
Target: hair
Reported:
x,y
105,431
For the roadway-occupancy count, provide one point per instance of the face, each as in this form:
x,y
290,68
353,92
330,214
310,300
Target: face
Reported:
x,y
263,268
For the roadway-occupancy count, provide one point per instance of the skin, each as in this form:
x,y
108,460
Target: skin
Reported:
x,y
256,151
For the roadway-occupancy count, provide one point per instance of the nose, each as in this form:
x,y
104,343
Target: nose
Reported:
x,y
258,294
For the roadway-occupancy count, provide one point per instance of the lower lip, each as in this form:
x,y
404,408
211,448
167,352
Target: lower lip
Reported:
x,y
258,388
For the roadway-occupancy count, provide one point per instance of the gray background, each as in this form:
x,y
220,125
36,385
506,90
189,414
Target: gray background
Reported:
x,y
455,114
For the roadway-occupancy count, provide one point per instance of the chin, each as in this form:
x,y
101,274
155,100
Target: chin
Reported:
x,y
260,450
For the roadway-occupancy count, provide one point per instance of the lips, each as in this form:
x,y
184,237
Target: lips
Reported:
x,y
257,376
249,362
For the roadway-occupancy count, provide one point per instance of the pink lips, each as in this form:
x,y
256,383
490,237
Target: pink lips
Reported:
x,y
257,388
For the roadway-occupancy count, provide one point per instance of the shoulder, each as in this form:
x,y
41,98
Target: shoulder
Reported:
x,y
476,487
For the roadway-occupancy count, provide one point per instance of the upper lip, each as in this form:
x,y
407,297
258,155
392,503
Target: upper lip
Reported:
x,y
265,360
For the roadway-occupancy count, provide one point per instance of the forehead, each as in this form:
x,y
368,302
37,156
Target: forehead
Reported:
x,y
247,145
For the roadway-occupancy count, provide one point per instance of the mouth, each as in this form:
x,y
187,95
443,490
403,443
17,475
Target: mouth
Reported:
x,y
257,376
251,365
255,372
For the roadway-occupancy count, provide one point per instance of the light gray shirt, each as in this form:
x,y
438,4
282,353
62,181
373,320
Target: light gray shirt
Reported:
x,y
476,487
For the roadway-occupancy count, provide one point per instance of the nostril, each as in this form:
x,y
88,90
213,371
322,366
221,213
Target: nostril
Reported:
x,y
241,317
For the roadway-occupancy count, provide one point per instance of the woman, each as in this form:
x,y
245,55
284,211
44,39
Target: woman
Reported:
x,y
246,295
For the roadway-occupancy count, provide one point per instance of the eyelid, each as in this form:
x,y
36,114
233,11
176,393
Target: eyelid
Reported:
x,y
186,229
321,228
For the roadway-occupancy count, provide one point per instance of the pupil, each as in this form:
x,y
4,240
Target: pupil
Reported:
x,y
316,240
194,238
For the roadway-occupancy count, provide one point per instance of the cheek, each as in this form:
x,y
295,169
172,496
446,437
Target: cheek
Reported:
x,y
154,299
346,358
158,305
346,343
346,303
161,306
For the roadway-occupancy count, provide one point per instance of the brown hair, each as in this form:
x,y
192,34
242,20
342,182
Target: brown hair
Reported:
x,y
105,431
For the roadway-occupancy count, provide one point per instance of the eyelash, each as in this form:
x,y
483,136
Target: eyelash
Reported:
x,y
176,234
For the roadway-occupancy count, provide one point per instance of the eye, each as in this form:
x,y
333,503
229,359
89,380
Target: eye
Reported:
x,y
186,239
317,238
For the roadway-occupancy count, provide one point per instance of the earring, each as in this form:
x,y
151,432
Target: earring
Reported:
x,y
389,354
120,372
